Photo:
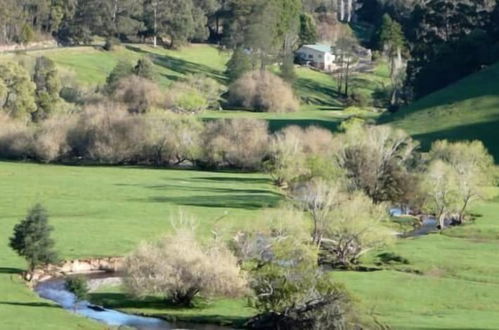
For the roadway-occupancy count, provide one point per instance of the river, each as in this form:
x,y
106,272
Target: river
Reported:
x,y
55,291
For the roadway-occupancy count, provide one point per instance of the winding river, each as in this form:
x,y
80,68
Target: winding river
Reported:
x,y
55,291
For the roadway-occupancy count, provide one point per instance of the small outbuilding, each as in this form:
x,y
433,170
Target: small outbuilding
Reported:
x,y
319,56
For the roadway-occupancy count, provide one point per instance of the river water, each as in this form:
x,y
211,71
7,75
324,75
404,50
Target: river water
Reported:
x,y
55,291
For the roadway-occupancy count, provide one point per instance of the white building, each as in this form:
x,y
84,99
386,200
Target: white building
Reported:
x,y
319,56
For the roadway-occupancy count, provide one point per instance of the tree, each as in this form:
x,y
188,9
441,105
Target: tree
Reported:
x,y
354,227
31,239
48,87
346,58
248,18
319,198
440,183
290,290
179,21
180,268
392,41
378,160
473,167
17,91
239,64
122,70
308,29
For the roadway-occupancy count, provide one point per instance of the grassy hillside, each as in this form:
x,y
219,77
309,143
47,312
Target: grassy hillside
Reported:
x,y
318,91
467,110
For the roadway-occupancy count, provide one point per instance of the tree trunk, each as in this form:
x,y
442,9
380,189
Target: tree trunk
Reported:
x,y
155,38
441,220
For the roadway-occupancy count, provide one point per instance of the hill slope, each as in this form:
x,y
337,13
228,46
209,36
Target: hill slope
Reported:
x,y
466,110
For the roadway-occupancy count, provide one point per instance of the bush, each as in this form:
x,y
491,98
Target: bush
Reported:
x,y
358,100
15,138
78,286
111,43
50,139
144,69
263,91
139,94
240,143
179,268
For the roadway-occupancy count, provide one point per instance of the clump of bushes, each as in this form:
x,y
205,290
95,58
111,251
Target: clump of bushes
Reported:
x,y
263,91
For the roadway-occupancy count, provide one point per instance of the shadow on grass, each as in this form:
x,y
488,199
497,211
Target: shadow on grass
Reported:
x,y
485,132
29,304
164,309
278,124
9,270
180,66
316,92
233,201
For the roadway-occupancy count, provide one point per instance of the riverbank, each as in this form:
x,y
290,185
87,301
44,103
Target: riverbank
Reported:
x,y
55,290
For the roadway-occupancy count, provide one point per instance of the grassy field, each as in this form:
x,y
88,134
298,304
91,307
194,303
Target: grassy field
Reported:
x,y
455,286
107,211
467,110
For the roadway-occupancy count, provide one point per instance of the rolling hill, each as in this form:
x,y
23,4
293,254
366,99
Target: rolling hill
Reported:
x,y
466,110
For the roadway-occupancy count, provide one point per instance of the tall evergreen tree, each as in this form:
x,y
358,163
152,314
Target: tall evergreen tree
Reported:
x,y
31,239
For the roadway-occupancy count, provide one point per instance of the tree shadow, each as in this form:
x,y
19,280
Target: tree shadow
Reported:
x,y
485,132
10,270
181,66
123,301
233,201
29,304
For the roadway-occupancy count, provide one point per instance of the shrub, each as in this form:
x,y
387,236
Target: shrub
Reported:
x,y
111,43
50,139
139,94
78,286
122,70
179,268
263,91
16,138
144,69
240,143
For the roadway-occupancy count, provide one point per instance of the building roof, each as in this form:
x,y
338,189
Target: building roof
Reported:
x,y
319,47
